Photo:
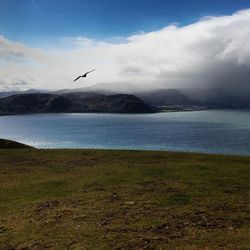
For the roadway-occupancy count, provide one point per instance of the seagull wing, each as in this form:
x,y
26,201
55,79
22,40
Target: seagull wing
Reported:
x,y
89,71
77,78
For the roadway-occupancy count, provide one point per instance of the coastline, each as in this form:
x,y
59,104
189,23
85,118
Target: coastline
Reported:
x,y
119,113
161,110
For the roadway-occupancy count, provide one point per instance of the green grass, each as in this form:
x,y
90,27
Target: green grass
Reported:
x,y
100,199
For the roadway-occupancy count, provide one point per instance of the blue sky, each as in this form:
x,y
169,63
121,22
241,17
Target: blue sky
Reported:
x,y
35,21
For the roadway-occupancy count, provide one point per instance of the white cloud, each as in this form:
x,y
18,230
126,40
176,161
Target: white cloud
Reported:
x,y
16,52
214,51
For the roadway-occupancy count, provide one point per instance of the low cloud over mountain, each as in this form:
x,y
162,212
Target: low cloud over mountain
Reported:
x,y
211,53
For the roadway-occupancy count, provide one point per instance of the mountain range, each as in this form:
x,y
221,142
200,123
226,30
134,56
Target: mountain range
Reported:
x,y
119,98
73,103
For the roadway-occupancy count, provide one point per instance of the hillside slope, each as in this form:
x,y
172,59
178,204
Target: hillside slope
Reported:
x,y
100,199
8,144
73,102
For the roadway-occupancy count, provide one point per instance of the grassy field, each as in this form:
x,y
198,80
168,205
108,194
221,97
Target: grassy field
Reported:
x,y
97,199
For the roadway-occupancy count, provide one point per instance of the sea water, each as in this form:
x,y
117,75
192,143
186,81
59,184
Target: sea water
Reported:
x,y
212,131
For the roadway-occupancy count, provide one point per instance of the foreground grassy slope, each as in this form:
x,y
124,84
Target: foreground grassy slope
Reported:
x,y
96,199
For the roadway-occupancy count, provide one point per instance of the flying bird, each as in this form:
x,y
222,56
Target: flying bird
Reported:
x,y
85,75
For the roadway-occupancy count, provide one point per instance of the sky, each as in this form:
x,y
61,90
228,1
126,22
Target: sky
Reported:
x,y
45,44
